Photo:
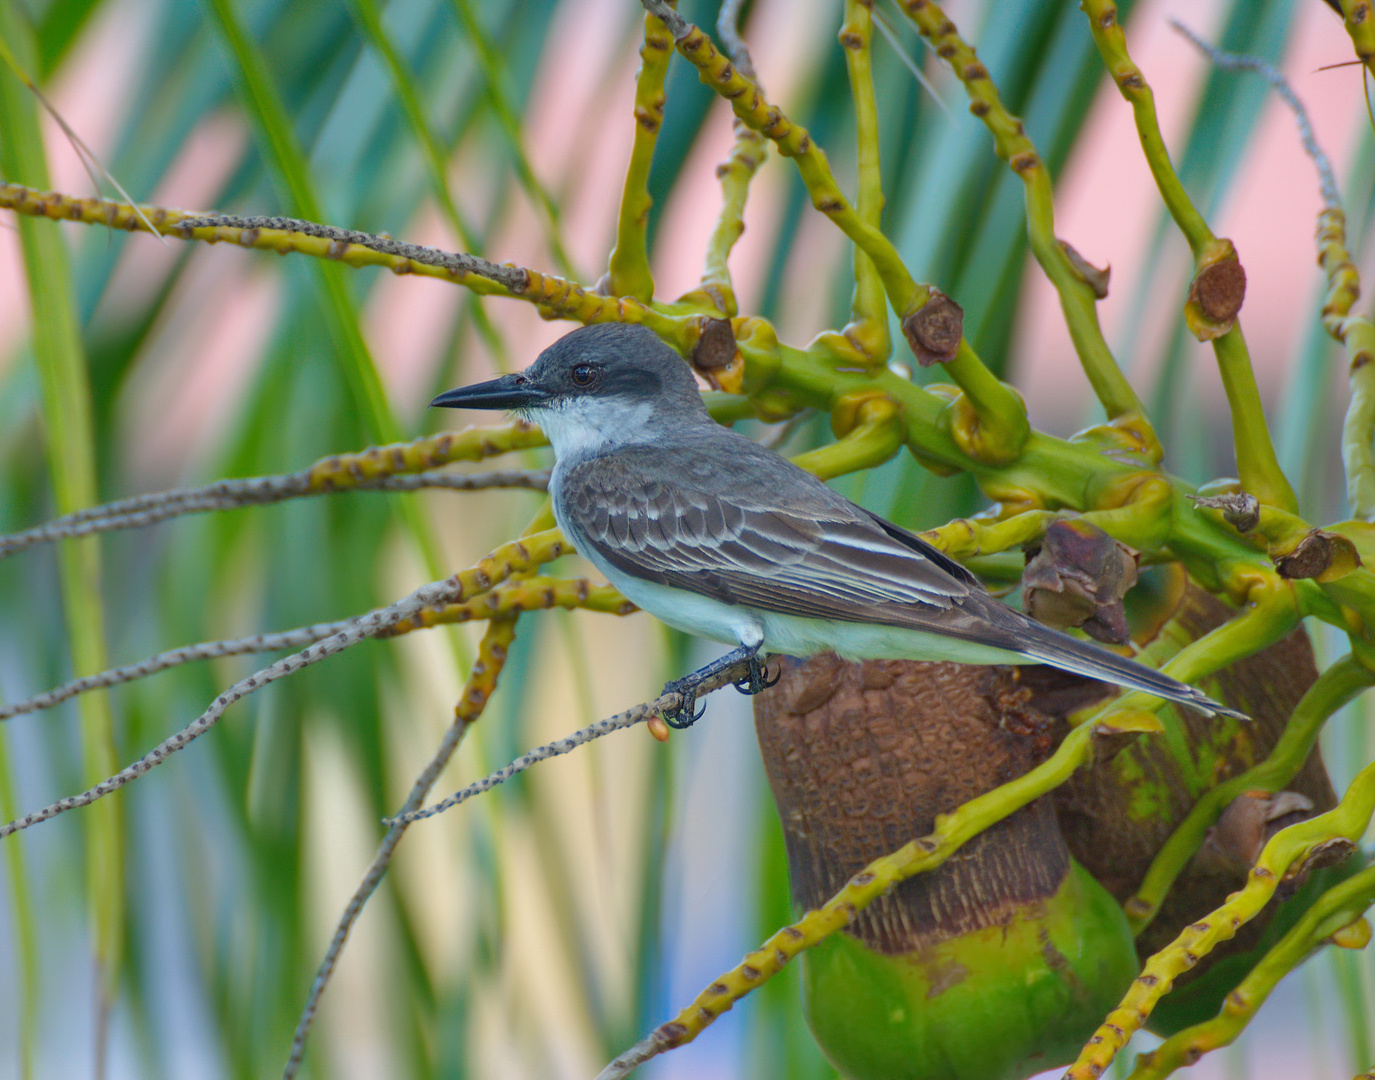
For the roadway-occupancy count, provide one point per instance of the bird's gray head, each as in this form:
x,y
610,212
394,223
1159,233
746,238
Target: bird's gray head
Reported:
x,y
605,385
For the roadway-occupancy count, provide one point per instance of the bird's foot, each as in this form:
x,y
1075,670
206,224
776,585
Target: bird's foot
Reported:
x,y
685,713
758,680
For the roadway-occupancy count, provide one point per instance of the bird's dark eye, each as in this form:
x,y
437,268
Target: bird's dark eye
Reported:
x,y
585,374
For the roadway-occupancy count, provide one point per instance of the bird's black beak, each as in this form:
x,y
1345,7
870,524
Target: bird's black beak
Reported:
x,y
507,392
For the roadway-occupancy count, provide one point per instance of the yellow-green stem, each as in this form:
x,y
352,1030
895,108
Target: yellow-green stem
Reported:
x,y
793,141
876,439
1335,909
1286,849
1335,687
868,328
629,263
1257,463
1077,297
1258,466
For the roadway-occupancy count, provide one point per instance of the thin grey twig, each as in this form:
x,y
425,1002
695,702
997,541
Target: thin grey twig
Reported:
x,y
464,717
728,30
626,719
651,1046
359,629
457,262
185,654
297,638
1235,62
140,511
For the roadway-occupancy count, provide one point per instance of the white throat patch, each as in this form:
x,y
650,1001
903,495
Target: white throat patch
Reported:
x,y
577,427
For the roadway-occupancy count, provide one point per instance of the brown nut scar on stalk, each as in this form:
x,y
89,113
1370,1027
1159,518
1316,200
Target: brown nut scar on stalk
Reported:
x,y
1324,854
1077,576
1239,509
1321,555
1215,297
1233,845
1096,277
716,357
934,330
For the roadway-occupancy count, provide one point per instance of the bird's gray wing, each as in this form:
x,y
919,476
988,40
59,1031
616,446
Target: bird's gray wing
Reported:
x,y
758,532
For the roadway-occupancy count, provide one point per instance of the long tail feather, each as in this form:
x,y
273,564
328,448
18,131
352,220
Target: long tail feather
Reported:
x,y
1084,658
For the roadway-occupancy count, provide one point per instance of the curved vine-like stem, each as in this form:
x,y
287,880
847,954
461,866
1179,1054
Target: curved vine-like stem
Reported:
x,y
1219,282
1288,849
868,327
628,268
1078,297
1000,409
1335,910
1335,687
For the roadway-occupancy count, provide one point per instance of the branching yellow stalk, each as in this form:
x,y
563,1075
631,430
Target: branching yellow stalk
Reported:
x,y
995,402
1335,910
527,594
629,264
1335,687
1078,300
868,328
1218,280
793,141
558,297
1288,849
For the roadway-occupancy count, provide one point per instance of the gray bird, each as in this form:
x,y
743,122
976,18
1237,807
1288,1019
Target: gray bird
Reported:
x,y
724,539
